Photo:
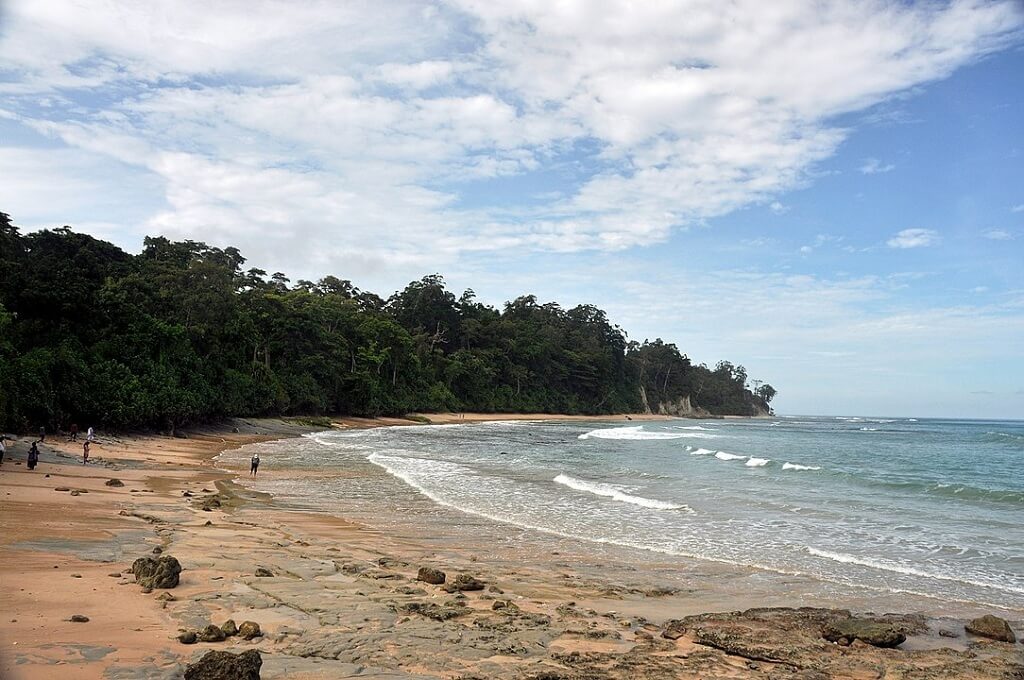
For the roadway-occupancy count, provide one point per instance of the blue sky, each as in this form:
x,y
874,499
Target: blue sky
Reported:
x,y
828,193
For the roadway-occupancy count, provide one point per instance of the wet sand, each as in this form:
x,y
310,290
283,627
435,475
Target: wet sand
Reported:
x,y
342,599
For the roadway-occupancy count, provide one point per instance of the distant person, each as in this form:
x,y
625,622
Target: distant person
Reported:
x,y
90,435
3,448
74,432
85,451
33,456
42,433
254,464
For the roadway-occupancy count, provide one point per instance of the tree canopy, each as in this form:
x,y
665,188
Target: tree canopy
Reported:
x,y
182,333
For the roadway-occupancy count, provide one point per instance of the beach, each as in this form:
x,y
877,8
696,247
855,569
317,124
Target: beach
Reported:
x,y
340,596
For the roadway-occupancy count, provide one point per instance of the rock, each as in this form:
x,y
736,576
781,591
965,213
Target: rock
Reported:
x,y
159,572
249,630
430,575
186,493
62,488
166,597
75,492
114,482
211,634
946,633
229,628
82,490
435,611
115,574
76,576
462,583
226,666
188,638
157,550
865,630
124,513
991,627
79,618
263,572
208,523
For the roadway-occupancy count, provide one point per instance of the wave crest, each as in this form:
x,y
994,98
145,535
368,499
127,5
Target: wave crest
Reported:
x,y
637,433
616,494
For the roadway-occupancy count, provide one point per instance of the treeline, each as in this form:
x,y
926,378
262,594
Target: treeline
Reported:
x,y
183,333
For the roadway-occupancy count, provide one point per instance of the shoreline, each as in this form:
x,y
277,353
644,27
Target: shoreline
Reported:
x,y
343,594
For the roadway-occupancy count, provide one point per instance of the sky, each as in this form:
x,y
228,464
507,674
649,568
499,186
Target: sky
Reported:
x,y
830,193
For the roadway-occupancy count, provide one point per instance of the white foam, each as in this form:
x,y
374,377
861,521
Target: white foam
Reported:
x,y
615,493
637,433
889,565
869,429
696,427
700,452
757,462
722,455
794,466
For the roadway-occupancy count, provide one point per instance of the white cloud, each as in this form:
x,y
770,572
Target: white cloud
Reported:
x,y
361,130
914,238
1017,208
873,166
998,235
778,208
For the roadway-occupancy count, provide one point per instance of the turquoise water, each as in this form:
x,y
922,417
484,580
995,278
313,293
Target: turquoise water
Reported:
x,y
924,507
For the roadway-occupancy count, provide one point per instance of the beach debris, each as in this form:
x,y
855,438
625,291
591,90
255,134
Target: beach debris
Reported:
x,y
211,633
114,482
430,575
845,631
249,630
62,488
216,665
115,574
124,513
79,618
186,493
229,628
464,582
188,638
76,576
160,572
263,572
991,627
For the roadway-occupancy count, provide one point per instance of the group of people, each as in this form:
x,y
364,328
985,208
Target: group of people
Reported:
x,y
32,460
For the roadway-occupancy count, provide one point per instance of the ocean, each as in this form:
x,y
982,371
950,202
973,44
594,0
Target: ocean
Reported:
x,y
918,509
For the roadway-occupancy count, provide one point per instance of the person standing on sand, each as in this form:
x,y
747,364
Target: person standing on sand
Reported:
x,y
74,432
90,434
254,464
42,433
33,456
85,451
3,448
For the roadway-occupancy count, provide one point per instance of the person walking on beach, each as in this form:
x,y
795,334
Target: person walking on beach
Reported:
x,y
33,456
254,464
42,433
3,448
85,451
90,434
74,432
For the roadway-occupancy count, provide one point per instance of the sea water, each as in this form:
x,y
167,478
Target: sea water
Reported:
x,y
902,506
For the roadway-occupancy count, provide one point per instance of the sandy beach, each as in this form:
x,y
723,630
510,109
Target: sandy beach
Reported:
x,y
334,598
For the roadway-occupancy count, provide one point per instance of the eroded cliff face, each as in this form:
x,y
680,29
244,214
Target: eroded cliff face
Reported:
x,y
681,407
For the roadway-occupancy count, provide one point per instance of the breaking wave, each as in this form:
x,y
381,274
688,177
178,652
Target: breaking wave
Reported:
x,y
616,493
638,433
795,466
757,462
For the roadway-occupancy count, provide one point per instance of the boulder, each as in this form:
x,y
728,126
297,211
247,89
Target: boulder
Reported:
x,y
249,630
845,631
991,627
430,575
158,572
226,666
79,618
464,582
114,482
188,638
211,634
263,571
229,628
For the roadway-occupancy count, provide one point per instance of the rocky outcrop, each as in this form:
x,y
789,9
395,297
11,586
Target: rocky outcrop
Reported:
x,y
430,575
160,572
437,612
226,666
464,582
263,572
845,631
991,627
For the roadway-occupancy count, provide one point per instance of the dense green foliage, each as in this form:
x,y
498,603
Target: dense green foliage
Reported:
x,y
182,333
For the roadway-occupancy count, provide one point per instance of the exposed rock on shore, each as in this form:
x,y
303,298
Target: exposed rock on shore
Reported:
x,y
161,572
430,575
226,666
991,627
